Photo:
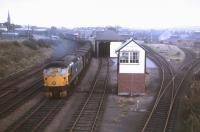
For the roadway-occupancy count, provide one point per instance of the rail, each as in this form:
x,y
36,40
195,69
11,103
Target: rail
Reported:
x,y
164,102
94,102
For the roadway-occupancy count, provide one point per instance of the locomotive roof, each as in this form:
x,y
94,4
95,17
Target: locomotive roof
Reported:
x,y
62,63
80,53
69,58
56,64
85,47
86,50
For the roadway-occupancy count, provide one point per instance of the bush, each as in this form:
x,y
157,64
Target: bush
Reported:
x,y
191,112
2,74
16,44
36,44
43,44
30,44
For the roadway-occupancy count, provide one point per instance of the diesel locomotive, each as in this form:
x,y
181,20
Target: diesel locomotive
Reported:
x,y
61,75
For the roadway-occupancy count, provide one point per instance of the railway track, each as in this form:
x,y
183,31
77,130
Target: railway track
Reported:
x,y
90,112
171,114
159,116
10,103
9,85
14,95
38,117
167,72
17,78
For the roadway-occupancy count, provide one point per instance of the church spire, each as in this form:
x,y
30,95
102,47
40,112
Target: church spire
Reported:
x,y
8,22
8,19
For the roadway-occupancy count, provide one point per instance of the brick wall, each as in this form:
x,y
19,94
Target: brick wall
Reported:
x,y
131,83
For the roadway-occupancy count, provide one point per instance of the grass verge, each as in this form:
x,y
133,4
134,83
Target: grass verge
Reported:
x,y
18,55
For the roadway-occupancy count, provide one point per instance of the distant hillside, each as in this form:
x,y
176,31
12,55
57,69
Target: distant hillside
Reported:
x,y
17,55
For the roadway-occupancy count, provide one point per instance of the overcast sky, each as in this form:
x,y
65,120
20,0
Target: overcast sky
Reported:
x,y
126,13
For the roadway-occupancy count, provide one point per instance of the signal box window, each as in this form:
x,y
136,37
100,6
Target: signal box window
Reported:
x,y
134,57
124,57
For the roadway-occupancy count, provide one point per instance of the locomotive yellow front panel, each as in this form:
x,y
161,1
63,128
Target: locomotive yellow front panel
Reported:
x,y
55,77
55,81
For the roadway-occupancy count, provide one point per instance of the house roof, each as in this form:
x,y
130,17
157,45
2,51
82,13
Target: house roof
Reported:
x,y
127,42
109,36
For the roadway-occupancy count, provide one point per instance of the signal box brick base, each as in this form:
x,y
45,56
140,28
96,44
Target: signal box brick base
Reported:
x,y
131,83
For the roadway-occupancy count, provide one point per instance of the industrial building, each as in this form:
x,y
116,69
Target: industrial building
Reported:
x,y
101,46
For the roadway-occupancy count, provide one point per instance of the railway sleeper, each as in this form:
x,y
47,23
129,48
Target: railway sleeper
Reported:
x,y
83,125
87,118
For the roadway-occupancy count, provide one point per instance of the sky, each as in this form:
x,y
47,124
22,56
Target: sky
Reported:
x,y
90,13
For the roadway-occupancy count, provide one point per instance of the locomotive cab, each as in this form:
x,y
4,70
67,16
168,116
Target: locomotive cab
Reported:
x,y
60,76
56,79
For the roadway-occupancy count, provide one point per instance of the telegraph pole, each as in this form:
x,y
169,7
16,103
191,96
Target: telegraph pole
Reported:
x,y
28,33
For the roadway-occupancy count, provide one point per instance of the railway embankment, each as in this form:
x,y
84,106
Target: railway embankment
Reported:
x,y
18,55
191,112
171,53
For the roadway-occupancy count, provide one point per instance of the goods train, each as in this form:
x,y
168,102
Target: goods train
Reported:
x,y
61,75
